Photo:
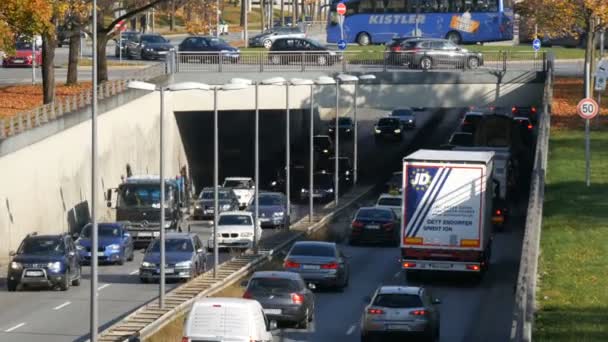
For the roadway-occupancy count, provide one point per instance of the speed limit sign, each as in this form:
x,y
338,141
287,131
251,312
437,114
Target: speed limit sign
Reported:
x,y
587,108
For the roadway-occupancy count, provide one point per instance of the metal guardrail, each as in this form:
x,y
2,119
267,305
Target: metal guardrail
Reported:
x,y
150,318
525,295
38,116
337,61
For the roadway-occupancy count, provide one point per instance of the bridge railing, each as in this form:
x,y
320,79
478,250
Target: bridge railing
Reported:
x,y
371,60
32,118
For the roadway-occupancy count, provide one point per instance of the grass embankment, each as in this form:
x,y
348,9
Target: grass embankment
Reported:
x,y
573,293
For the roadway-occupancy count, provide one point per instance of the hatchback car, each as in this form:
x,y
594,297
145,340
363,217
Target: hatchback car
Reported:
x,y
208,49
429,53
115,244
406,116
346,126
272,209
393,202
266,38
203,206
185,258
388,128
283,295
319,263
374,224
301,50
529,112
235,229
323,188
23,56
400,311
44,260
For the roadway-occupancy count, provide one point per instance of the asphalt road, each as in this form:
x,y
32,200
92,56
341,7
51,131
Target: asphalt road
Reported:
x,y
31,315
469,311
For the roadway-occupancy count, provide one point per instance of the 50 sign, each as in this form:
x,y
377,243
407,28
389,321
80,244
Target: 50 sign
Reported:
x,y
587,108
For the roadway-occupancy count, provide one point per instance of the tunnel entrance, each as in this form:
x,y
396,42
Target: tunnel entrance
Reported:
x,y
237,143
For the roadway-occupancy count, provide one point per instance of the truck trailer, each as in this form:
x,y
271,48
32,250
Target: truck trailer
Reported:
x,y
447,211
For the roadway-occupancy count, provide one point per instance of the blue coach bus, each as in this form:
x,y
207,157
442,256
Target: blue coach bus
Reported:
x,y
461,21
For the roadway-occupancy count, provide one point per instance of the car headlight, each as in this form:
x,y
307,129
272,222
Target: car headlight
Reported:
x,y
397,130
54,266
219,235
167,225
348,129
79,247
325,151
184,264
247,234
147,264
331,129
377,130
148,49
113,247
16,265
411,120
273,183
278,214
347,173
197,206
303,190
226,206
330,190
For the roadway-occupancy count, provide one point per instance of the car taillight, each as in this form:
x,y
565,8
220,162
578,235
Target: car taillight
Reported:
x,y
247,295
357,224
185,339
297,298
533,109
291,264
396,48
473,267
530,126
409,265
330,266
418,313
388,226
375,311
498,212
513,109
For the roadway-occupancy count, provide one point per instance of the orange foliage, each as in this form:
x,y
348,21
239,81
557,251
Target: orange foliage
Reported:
x,y
19,98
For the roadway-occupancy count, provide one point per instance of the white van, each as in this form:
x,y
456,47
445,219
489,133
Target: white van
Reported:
x,y
227,319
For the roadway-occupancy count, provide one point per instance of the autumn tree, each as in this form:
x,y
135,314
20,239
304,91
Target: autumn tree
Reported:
x,y
558,18
203,18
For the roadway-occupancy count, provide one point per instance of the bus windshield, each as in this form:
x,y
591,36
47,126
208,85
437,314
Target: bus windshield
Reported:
x,y
462,21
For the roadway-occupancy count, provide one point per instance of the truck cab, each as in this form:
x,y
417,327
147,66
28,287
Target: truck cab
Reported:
x,y
138,202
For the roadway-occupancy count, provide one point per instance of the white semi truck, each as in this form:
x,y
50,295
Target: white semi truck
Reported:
x,y
447,211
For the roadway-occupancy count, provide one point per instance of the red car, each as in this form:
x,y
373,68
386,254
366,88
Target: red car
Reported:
x,y
23,56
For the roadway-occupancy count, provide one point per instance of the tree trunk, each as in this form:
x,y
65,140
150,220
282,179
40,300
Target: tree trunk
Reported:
x,y
102,60
49,43
263,14
243,9
303,12
72,78
295,16
172,16
282,12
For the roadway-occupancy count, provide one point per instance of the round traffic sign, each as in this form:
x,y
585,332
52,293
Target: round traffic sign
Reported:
x,y
341,44
536,44
587,108
341,8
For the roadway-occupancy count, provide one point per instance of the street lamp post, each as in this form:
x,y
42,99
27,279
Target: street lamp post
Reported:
x,y
337,151
153,87
94,243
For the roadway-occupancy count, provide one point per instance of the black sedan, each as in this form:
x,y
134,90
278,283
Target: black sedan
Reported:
x,y
375,224
206,49
185,258
345,169
388,128
284,296
203,206
323,188
301,50
148,46
346,126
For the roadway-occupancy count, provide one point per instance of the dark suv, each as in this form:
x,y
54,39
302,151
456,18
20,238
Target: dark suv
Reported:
x,y
301,50
429,53
45,260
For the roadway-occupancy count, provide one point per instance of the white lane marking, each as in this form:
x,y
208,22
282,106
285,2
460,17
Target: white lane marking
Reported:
x,y
134,272
59,307
15,327
102,287
350,330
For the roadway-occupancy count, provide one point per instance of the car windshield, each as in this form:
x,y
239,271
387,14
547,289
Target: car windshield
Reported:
x,y
403,112
153,39
315,43
390,201
310,249
208,195
472,118
173,245
271,200
236,183
322,142
388,122
142,196
235,220
374,214
275,285
341,121
42,246
397,300
102,230
23,46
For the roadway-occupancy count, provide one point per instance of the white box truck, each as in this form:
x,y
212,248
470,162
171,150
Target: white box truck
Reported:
x,y
447,204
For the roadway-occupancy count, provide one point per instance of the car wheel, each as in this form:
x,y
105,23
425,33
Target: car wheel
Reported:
x,y
363,39
121,260
66,283
131,255
426,63
76,282
11,286
473,63
267,43
276,60
454,37
303,324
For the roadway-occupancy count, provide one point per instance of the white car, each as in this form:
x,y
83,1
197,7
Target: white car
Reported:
x,y
235,229
228,319
243,187
393,202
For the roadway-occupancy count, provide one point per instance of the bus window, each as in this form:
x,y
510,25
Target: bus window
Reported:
x,y
352,8
366,6
395,6
379,6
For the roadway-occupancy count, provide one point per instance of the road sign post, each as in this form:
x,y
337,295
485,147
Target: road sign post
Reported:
x,y
341,9
536,45
587,109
